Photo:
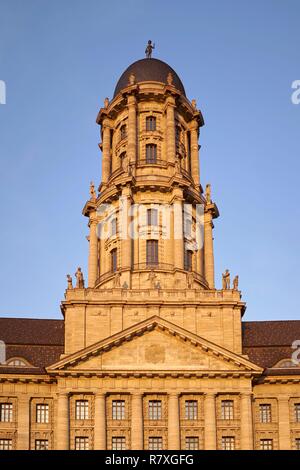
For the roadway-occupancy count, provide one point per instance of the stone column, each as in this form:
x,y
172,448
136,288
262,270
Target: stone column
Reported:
x,y
195,153
209,250
178,239
284,423
210,436
137,430
246,421
105,152
132,143
23,409
170,116
173,422
93,253
100,422
62,422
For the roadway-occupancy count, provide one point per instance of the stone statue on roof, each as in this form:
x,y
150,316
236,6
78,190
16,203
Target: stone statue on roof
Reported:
x,y
149,49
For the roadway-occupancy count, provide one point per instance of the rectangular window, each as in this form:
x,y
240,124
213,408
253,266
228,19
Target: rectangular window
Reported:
x,y
114,261
41,444
191,409
113,227
5,444
81,443
152,217
228,443
155,443
118,443
6,412
188,260
118,409
192,443
265,413
150,123
82,409
227,409
297,443
42,413
188,227
155,411
152,252
266,444
151,153
297,412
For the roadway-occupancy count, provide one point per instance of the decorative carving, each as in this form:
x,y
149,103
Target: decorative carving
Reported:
x,y
106,103
236,283
151,277
117,279
208,193
170,79
79,279
125,285
226,280
190,280
149,49
70,281
131,79
92,191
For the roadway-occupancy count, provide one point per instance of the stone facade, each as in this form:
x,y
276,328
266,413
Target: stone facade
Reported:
x,y
153,352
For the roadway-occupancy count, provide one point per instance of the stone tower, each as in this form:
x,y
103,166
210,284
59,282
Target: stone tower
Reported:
x,y
151,240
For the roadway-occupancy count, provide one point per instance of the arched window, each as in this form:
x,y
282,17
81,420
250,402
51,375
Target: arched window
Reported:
x,y
17,362
150,123
286,364
151,153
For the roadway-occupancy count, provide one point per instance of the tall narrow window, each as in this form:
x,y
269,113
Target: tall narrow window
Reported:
x,y
228,443
118,443
41,444
42,413
154,408
150,123
227,409
155,443
297,412
123,132
188,227
266,444
82,409
265,413
191,409
188,260
5,444
81,443
151,153
192,443
113,227
152,217
114,260
118,409
152,252
6,412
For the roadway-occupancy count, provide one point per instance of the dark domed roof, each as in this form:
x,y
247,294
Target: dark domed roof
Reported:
x,y
149,70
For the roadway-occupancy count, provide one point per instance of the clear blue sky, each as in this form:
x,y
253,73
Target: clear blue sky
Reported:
x,y
60,58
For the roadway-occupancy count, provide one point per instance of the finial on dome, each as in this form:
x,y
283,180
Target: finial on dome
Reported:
x,y
106,102
149,49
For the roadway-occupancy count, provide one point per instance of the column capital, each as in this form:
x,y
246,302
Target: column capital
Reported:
x,y
173,394
210,394
131,100
137,393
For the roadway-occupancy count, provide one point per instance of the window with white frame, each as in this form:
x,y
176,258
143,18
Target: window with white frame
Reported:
x,y
118,443
265,413
81,443
42,413
192,443
118,409
227,410
5,444
154,409
266,444
155,443
228,443
191,409
16,362
6,412
41,444
82,409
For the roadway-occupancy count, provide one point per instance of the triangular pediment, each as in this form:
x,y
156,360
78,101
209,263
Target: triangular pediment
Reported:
x,y
155,345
